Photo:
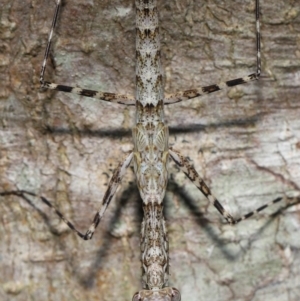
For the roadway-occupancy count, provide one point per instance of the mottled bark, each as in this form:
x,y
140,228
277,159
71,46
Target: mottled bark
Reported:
x,y
245,142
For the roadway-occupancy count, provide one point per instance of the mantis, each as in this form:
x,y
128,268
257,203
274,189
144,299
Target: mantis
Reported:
x,y
151,150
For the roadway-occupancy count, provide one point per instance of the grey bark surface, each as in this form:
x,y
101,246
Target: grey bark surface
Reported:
x,y
244,141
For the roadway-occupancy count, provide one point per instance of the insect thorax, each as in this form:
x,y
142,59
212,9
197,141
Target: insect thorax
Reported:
x,y
150,163
154,246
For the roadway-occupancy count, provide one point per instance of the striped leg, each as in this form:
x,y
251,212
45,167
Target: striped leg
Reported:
x,y
192,174
112,187
192,93
106,96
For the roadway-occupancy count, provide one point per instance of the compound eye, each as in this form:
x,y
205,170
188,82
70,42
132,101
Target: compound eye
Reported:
x,y
175,294
136,297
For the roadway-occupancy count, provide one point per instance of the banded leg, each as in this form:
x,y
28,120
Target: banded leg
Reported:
x,y
112,187
106,96
164,294
192,174
192,93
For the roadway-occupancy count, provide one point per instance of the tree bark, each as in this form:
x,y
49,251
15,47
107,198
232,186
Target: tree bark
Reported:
x,y
244,141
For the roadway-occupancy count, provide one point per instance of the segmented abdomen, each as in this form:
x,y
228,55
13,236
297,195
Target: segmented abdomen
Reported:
x,y
149,88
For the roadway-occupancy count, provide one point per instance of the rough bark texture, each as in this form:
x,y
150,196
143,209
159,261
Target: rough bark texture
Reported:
x,y
245,142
